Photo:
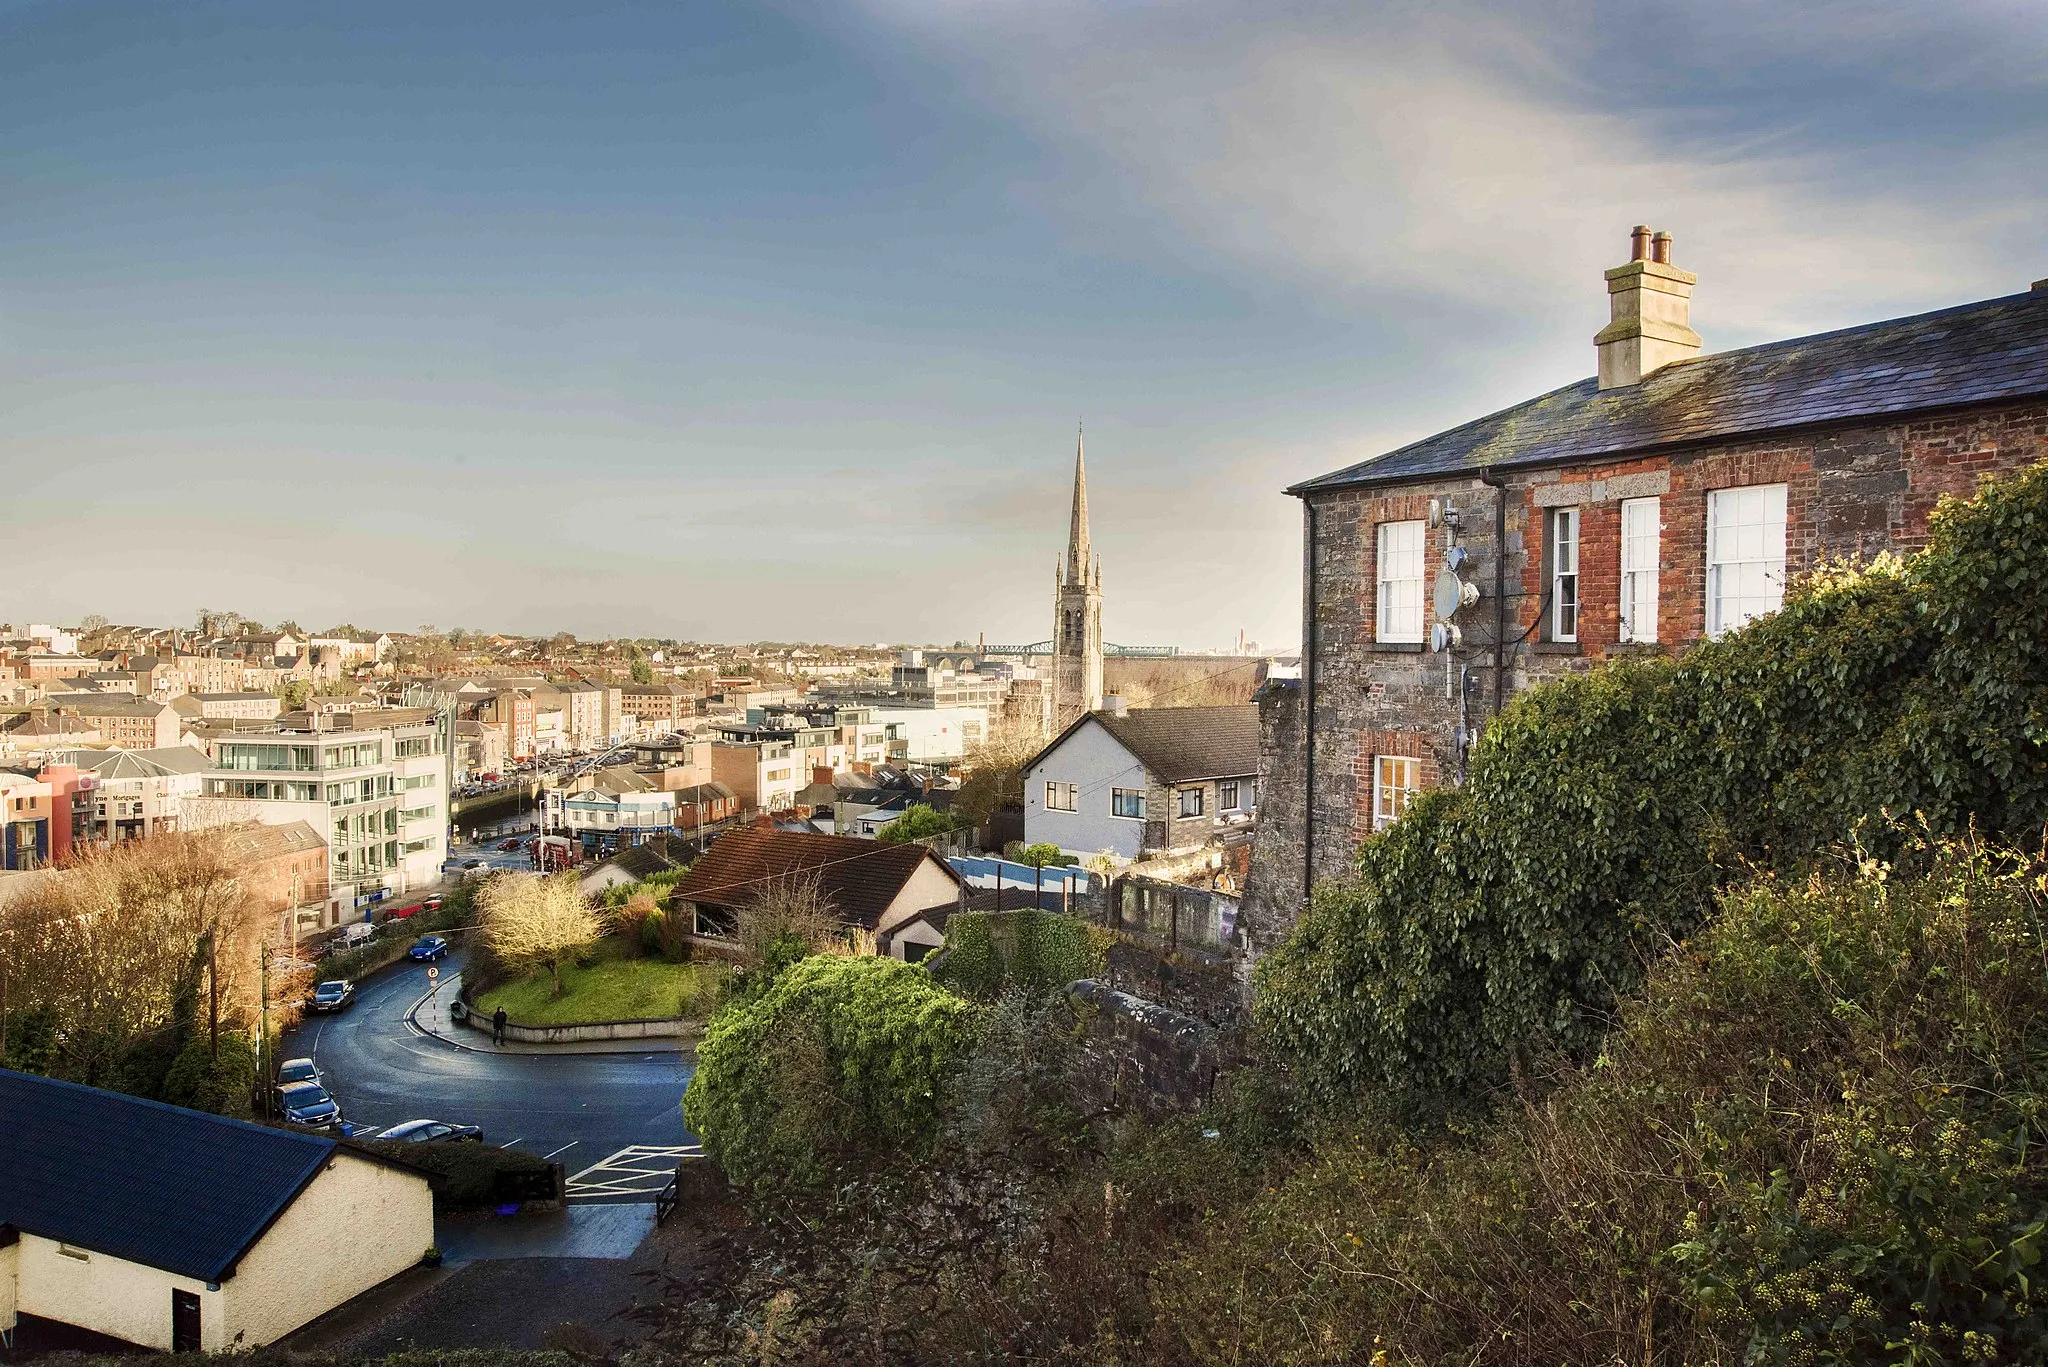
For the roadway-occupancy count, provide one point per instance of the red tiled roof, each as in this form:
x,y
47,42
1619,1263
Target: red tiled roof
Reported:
x,y
859,877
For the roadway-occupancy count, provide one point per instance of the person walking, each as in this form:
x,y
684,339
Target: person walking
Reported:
x,y
498,1026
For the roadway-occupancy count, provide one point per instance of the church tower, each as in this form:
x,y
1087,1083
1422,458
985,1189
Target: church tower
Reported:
x,y
1077,615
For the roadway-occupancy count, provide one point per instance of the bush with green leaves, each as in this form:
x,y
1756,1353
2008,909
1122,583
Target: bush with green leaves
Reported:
x,y
839,1058
1817,1137
205,1080
1506,918
1036,952
918,822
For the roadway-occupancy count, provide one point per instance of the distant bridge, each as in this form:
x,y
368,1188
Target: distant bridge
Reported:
x,y
1108,648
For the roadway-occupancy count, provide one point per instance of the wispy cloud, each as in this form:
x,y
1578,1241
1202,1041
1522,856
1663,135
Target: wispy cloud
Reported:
x,y
1453,152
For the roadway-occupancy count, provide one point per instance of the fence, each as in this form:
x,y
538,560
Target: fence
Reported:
x,y
1194,920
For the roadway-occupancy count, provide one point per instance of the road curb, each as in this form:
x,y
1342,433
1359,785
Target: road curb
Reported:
x,y
412,1019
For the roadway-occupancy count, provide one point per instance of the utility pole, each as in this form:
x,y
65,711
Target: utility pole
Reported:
x,y
263,1021
213,996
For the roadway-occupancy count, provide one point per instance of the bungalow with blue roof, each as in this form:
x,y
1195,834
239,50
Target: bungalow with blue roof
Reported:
x,y
185,1231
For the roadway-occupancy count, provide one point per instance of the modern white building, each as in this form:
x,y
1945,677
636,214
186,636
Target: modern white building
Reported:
x,y
374,782
183,1231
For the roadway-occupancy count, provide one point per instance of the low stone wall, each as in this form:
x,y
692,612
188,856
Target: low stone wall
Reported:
x,y
686,1030
1147,1057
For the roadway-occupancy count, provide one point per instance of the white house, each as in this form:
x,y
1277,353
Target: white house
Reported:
x,y
1143,781
180,1230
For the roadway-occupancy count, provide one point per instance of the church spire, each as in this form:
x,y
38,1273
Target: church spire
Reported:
x,y
1078,557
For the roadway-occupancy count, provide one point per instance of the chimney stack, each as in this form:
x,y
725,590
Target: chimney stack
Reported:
x,y
1652,312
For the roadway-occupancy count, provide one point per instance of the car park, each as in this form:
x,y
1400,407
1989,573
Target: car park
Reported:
x,y
427,948
431,1131
297,1070
308,1104
335,994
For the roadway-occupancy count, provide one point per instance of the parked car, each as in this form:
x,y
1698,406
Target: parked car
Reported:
x,y
472,863
432,903
296,1070
308,1104
431,1131
512,844
357,933
333,995
427,948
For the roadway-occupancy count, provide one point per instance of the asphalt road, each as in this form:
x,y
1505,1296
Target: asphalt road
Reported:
x,y
581,1109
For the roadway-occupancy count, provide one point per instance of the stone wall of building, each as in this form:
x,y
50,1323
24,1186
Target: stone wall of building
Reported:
x,y
1851,492
1274,887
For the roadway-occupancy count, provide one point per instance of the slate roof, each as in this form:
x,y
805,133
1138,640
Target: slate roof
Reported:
x,y
1986,352
1179,744
174,1189
859,877
656,855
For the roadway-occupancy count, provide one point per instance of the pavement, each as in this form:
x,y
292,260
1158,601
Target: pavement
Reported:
x,y
584,1110
431,1014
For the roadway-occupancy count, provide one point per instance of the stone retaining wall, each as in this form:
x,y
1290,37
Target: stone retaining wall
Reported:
x,y
664,1029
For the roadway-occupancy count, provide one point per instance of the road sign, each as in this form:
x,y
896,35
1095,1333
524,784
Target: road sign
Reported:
x,y
433,974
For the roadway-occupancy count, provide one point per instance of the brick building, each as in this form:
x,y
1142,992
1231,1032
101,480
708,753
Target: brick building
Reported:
x,y
1668,498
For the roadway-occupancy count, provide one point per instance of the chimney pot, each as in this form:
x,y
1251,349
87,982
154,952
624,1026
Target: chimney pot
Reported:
x,y
1639,242
1660,249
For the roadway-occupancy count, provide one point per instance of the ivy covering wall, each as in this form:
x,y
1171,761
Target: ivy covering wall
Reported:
x,y
1601,814
1036,951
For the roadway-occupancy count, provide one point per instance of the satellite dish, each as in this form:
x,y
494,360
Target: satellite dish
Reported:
x,y
1449,593
1456,557
1443,636
1436,512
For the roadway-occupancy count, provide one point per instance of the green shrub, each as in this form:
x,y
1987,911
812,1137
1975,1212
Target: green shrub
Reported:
x,y
1816,1138
839,1057
918,822
1508,917
1036,952
224,1083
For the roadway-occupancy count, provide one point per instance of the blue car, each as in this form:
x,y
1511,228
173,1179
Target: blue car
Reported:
x,y
427,948
307,1103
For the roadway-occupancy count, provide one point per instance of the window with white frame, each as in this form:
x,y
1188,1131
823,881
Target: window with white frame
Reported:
x,y
1745,555
1128,802
1642,526
1400,582
1395,779
1062,797
1191,801
1226,795
1564,574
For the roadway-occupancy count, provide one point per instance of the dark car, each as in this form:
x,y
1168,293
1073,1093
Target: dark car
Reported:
x,y
296,1070
472,863
512,844
307,1103
333,995
431,1131
427,948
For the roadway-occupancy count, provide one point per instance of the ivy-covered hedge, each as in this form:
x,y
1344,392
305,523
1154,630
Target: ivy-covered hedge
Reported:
x,y
1037,951
1602,812
840,1057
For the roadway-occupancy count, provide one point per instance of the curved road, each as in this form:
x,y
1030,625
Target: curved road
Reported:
x,y
584,1110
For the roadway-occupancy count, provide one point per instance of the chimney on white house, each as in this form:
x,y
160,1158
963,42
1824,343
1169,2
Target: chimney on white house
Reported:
x,y
1652,313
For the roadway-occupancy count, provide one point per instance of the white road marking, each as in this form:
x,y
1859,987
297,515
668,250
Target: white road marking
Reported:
x,y
639,1172
564,1149
510,1142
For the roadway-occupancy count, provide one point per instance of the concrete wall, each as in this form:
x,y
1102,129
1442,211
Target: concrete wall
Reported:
x,y
356,1224
1096,763
10,1262
110,1295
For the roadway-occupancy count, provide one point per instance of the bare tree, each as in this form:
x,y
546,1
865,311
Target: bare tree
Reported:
x,y
787,919
526,921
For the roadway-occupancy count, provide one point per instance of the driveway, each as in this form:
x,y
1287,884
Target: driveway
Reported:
x,y
602,1116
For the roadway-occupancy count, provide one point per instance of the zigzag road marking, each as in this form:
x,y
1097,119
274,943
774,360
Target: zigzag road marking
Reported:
x,y
637,1173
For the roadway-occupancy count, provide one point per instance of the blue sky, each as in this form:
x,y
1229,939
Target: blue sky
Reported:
x,y
739,321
